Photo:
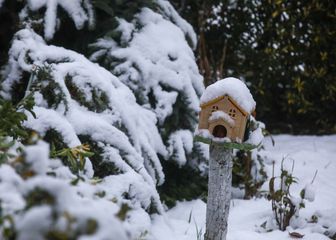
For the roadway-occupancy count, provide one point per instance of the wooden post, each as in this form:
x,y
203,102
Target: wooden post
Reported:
x,y
219,110
219,192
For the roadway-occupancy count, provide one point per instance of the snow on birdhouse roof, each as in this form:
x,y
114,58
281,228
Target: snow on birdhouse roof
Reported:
x,y
232,87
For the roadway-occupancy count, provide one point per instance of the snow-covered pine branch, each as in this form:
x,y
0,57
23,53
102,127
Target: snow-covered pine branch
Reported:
x,y
142,109
124,132
154,59
80,11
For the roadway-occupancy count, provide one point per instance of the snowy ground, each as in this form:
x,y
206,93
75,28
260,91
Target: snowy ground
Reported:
x,y
310,153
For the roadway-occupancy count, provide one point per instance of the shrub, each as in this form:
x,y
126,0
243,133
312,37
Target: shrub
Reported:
x,y
285,205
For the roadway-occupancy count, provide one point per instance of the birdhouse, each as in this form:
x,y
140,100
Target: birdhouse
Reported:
x,y
225,109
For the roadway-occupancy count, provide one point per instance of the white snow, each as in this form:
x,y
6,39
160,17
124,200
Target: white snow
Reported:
x,y
203,133
155,61
37,156
143,136
310,153
233,87
222,115
11,199
171,14
133,151
309,192
180,145
159,61
71,205
256,135
80,11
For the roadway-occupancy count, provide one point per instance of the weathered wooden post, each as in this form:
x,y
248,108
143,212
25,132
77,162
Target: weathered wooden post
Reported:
x,y
225,111
219,192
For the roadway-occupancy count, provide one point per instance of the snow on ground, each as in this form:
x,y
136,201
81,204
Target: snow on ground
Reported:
x,y
310,153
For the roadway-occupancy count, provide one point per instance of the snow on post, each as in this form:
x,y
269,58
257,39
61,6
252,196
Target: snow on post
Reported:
x,y
226,107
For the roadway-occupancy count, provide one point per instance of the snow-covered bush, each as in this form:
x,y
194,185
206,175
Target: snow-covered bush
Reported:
x,y
149,53
285,205
108,138
122,133
39,199
248,172
152,57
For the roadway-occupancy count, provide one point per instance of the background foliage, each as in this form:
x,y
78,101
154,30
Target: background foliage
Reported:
x,y
285,49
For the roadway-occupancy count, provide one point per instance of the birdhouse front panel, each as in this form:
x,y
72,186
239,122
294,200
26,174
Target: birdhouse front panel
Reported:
x,y
226,106
223,118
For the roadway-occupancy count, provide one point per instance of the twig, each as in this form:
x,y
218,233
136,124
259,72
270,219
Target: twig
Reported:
x,y
314,177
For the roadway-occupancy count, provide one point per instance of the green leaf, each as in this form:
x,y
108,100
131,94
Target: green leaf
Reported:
x,y
302,193
123,212
87,154
271,185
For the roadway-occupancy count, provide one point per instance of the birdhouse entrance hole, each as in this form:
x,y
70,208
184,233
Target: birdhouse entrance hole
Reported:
x,y
219,131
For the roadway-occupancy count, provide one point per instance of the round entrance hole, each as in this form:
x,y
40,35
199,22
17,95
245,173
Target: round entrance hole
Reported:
x,y
219,131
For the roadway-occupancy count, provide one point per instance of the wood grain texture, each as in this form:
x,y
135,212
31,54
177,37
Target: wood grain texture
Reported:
x,y
219,192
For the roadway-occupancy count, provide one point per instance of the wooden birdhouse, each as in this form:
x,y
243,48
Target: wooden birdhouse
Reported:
x,y
225,109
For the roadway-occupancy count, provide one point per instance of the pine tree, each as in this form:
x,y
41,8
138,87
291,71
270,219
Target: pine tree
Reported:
x,y
149,54
105,134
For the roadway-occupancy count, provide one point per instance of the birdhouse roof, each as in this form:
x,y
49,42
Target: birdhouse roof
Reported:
x,y
234,88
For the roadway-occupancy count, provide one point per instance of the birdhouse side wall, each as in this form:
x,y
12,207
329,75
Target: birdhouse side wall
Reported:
x,y
203,118
242,127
